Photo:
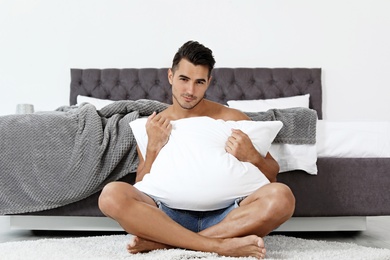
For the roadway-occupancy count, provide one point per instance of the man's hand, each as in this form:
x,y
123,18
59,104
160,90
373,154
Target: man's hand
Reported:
x,y
240,146
158,129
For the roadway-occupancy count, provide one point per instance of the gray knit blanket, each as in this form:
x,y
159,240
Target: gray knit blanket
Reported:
x,y
51,159
299,124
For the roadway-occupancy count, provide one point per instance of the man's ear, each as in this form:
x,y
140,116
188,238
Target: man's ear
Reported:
x,y
210,78
170,76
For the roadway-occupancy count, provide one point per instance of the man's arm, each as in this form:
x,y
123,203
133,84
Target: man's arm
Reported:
x,y
158,129
241,147
144,166
267,165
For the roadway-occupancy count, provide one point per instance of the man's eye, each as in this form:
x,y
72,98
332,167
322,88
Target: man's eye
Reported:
x,y
200,82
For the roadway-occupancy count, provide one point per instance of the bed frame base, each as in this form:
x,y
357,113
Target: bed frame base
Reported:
x,y
295,224
303,224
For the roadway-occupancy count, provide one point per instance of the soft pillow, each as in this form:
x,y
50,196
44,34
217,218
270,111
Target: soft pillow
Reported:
x,y
262,105
97,102
295,157
194,172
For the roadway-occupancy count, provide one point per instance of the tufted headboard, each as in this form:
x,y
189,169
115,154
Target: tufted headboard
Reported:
x,y
227,84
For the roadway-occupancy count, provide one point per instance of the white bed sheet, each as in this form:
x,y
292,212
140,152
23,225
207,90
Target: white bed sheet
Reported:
x,y
353,139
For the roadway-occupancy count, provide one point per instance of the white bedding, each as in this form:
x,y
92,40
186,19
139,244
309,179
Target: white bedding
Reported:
x,y
365,139
353,139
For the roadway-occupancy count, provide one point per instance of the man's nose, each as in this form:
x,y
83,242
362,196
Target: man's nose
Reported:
x,y
191,88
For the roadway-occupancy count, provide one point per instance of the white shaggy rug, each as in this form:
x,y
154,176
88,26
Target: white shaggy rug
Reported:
x,y
113,247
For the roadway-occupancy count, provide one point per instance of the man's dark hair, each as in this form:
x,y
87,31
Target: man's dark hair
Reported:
x,y
195,53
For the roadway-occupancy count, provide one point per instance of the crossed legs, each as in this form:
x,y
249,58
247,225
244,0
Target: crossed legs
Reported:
x,y
239,234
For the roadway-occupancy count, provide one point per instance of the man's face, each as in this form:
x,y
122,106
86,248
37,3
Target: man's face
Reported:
x,y
189,83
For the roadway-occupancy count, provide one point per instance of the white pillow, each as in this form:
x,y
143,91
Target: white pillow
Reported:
x,y
295,157
194,172
97,102
262,105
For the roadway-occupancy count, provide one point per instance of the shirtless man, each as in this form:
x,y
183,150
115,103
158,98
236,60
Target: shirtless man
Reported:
x,y
236,230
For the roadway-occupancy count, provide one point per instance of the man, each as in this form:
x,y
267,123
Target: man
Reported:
x,y
234,231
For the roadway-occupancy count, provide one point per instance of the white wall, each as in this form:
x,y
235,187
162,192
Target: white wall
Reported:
x,y
40,40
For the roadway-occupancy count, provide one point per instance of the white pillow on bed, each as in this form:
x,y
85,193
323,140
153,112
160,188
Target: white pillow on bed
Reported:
x,y
194,172
295,157
261,105
97,102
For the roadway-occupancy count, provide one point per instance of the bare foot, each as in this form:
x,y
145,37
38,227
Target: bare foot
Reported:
x,y
138,245
243,246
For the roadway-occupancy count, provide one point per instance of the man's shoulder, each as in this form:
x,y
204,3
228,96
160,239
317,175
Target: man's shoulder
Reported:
x,y
226,113
234,115
167,111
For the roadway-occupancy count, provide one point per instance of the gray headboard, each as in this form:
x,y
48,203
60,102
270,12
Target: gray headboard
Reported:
x,y
227,84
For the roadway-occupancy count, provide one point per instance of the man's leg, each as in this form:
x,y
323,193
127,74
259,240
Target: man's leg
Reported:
x,y
259,213
139,215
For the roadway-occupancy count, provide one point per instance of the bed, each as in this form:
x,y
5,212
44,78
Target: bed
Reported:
x,y
338,196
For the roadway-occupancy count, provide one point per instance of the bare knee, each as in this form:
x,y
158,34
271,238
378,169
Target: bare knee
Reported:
x,y
285,199
275,201
112,198
281,201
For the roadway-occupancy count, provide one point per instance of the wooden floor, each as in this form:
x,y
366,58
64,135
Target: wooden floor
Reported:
x,y
376,235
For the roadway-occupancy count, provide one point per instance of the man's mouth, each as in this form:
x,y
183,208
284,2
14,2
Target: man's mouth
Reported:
x,y
188,98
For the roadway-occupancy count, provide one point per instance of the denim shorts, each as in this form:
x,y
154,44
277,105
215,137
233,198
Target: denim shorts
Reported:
x,y
197,221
